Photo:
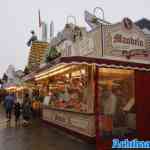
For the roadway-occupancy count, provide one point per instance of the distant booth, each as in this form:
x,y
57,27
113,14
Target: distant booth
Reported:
x,y
102,98
24,89
29,87
10,87
18,90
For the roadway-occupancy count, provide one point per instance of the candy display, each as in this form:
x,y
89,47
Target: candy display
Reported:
x,y
68,91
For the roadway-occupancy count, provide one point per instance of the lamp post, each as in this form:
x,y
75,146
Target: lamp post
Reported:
x,y
97,102
101,26
98,8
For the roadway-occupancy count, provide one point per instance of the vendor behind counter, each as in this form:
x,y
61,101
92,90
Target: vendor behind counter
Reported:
x,y
37,105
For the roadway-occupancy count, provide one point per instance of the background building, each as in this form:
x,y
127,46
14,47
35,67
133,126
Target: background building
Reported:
x,y
37,54
120,40
144,25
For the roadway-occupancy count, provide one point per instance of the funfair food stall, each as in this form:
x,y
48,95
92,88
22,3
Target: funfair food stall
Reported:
x,y
98,97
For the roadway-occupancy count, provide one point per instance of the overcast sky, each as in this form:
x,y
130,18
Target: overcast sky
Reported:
x,y
18,17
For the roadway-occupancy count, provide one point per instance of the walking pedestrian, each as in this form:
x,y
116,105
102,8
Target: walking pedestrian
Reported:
x,y
26,110
8,103
17,112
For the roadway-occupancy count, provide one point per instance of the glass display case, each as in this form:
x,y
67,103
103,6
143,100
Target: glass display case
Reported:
x,y
117,102
70,90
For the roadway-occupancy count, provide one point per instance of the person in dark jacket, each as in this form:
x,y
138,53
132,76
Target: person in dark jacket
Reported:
x,y
8,103
17,112
26,110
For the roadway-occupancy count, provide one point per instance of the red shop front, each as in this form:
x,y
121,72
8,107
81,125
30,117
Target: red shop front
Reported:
x,y
120,99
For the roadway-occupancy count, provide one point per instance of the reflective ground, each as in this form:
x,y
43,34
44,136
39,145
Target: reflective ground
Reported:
x,y
37,136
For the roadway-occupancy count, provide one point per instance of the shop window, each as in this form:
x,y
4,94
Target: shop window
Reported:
x,y
71,90
117,102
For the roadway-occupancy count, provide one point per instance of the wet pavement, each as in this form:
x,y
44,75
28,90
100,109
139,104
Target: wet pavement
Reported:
x,y
37,137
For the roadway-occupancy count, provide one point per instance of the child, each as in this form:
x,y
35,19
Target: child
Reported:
x,y
17,110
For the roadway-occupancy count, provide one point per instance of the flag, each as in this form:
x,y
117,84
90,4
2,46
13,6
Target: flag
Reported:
x,y
40,22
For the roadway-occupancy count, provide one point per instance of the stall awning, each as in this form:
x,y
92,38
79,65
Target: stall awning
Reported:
x,y
64,63
107,62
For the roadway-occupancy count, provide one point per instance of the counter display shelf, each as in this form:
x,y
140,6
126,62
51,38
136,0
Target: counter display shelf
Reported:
x,y
75,121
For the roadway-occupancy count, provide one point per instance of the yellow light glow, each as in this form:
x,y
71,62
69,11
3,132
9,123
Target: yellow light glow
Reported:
x,y
82,71
60,68
20,88
11,88
67,75
115,71
52,69
76,73
52,73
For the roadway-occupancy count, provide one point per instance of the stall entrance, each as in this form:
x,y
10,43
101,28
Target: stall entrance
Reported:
x,y
117,117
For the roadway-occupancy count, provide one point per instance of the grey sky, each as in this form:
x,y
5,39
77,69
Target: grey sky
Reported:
x,y
18,17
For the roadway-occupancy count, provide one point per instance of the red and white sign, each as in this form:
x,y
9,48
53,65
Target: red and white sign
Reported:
x,y
127,37
125,41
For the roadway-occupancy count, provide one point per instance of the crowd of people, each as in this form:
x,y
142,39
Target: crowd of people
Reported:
x,y
22,111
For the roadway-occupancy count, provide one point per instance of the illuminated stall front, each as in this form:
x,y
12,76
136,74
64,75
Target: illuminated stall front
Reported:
x,y
71,90
99,98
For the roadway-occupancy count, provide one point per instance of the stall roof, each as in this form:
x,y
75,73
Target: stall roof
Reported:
x,y
108,62
29,76
100,62
114,62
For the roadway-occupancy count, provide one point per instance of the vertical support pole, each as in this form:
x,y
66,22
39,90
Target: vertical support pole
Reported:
x,y
21,95
102,40
97,108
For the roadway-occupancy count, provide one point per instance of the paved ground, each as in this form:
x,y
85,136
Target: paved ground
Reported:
x,y
37,137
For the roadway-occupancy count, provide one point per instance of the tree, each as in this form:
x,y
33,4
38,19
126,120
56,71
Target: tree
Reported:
x,y
52,54
5,78
26,70
3,93
1,82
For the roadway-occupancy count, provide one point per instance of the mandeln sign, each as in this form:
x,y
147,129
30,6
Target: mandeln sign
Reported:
x,y
122,41
118,38
127,36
